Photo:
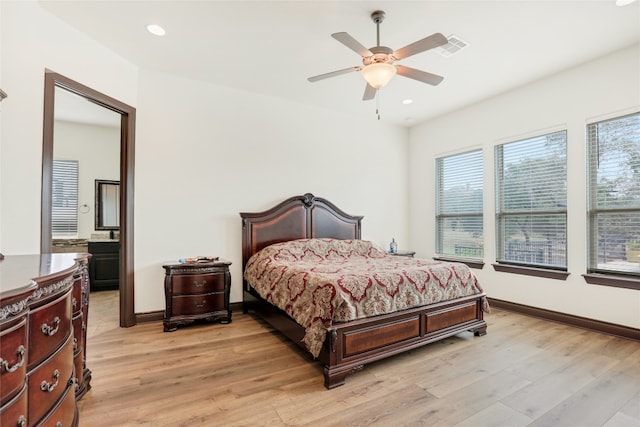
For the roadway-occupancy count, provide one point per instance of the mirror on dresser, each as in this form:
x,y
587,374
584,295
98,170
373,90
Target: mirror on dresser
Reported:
x,y
75,125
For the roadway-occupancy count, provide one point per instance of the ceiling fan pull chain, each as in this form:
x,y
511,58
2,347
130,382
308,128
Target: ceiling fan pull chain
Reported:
x,y
378,103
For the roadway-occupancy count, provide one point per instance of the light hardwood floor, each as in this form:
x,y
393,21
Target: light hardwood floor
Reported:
x,y
525,371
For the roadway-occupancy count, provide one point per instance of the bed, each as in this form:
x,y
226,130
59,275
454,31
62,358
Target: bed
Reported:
x,y
345,336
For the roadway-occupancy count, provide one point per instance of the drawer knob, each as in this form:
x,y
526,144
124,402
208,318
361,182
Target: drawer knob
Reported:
x,y
5,363
49,387
51,330
200,305
22,421
200,284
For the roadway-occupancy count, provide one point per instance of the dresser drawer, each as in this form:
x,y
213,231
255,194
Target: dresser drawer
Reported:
x,y
49,326
14,412
49,381
13,360
198,304
197,283
65,413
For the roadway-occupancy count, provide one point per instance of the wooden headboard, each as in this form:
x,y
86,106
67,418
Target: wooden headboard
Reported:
x,y
299,217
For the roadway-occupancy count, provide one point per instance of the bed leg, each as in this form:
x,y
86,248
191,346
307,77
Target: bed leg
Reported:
x,y
481,331
334,378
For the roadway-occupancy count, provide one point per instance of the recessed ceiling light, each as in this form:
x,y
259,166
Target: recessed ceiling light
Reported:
x,y
156,30
407,101
624,2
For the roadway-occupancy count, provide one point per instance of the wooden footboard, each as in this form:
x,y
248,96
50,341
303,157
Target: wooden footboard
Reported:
x,y
349,346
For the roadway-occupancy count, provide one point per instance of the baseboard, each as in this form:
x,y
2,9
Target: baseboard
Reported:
x,y
569,319
158,316
151,316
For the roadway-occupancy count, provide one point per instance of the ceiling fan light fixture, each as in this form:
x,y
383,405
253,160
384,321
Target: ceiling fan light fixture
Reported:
x,y
378,74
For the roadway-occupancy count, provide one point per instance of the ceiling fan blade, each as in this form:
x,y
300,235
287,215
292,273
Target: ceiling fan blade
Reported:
x,y
352,44
333,74
369,93
434,40
422,76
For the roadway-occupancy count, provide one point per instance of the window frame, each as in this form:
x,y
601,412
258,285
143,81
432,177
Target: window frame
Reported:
x,y
67,218
559,272
597,275
471,261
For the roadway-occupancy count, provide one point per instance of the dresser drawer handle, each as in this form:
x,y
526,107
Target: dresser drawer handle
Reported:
x,y
74,303
48,387
199,285
51,331
5,363
22,421
59,424
202,304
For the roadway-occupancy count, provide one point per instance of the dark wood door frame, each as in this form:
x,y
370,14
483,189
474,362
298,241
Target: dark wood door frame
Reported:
x,y
127,144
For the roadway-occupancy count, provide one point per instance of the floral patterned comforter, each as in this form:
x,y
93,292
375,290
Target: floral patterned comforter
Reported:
x,y
320,281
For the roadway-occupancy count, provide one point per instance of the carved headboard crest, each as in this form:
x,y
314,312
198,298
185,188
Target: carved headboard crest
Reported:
x,y
309,199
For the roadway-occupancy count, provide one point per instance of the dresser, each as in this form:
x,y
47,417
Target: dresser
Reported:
x,y
43,307
198,290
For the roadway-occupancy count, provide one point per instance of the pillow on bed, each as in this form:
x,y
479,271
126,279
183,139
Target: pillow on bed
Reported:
x,y
316,249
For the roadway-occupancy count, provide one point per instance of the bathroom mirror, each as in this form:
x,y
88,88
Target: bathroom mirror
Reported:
x,y
107,205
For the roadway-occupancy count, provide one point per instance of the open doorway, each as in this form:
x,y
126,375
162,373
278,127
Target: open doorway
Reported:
x,y
127,141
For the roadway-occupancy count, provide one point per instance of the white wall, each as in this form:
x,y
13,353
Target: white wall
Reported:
x,y
208,153
97,150
603,88
32,41
203,153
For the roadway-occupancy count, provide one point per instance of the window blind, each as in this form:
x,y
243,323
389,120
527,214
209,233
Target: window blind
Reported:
x,y
459,227
531,201
614,195
64,198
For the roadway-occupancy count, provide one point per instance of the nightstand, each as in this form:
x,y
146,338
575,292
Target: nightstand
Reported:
x,y
197,290
409,254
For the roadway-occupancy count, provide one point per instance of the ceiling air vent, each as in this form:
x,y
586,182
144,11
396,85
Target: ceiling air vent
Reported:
x,y
455,44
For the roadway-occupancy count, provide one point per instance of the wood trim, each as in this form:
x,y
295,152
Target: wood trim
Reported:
x,y
470,263
127,163
532,271
151,316
158,316
610,280
569,319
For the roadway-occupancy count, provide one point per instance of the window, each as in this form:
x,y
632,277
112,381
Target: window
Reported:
x,y
64,198
531,201
614,195
459,205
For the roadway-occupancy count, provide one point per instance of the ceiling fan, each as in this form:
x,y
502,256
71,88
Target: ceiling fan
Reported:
x,y
379,68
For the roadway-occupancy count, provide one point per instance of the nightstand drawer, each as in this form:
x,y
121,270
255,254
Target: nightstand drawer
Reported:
x,y
198,304
198,283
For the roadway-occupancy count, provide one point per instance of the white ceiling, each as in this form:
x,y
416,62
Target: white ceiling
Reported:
x,y
271,47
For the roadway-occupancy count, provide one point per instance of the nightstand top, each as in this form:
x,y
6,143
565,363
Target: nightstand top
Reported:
x,y
403,253
197,264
